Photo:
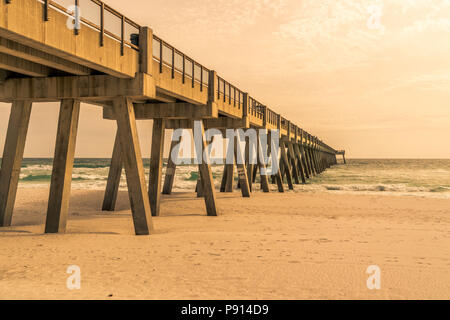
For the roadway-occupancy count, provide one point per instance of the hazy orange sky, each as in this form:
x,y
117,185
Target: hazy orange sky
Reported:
x,y
378,90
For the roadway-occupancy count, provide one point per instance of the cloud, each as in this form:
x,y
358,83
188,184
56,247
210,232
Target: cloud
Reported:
x,y
331,34
221,17
427,81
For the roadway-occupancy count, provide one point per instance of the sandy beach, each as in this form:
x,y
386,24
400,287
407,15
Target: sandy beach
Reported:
x,y
296,246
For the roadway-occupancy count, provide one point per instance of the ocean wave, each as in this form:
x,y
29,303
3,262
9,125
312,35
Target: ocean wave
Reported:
x,y
48,177
91,166
193,176
32,178
440,189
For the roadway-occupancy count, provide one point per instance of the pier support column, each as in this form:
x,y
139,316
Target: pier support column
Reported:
x,y
250,166
58,203
12,158
228,178
199,186
241,169
134,168
115,172
276,177
319,161
308,162
205,173
228,173
304,161
316,160
224,178
300,163
292,157
311,161
287,167
262,167
156,163
171,167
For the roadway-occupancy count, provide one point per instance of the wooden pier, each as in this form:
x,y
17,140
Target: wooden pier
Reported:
x,y
133,75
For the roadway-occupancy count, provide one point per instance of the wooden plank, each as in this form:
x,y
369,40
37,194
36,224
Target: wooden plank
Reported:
x,y
12,158
206,176
115,172
156,163
134,168
171,166
58,203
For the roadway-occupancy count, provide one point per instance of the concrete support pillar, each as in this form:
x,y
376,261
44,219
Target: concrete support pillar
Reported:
x,y
146,50
115,172
293,161
228,174
156,163
276,177
286,166
300,162
58,204
134,168
304,161
241,169
250,166
207,182
12,158
171,167
262,167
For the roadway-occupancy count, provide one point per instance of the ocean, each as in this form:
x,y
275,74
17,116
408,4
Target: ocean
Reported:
x,y
423,178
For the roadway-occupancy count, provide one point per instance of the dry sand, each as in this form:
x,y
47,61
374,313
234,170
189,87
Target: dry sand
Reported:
x,y
291,246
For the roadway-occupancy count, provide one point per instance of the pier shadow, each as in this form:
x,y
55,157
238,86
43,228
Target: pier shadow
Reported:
x,y
15,231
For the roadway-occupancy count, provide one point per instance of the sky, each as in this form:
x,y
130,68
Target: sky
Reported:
x,y
368,76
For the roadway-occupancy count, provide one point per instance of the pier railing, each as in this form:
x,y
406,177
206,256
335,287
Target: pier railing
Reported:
x,y
169,56
99,16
